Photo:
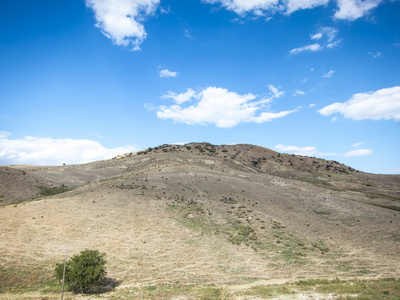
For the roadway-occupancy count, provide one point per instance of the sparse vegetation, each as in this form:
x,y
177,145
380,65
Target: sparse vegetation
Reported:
x,y
50,191
195,222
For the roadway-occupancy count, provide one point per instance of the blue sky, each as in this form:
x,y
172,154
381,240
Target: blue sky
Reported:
x,y
88,80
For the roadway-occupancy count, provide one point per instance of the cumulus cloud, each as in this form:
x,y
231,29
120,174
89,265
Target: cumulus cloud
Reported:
x,y
221,107
50,151
167,74
359,152
121,20
354,9
382,104
347,9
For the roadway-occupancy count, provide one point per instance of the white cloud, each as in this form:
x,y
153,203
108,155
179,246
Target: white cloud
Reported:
x,y
326,37
311,105
275,91
294,5
299,93
188,34
312,151
354,9
377,54
316,36
220,107
4,134
167,74
359,152
382,104
329,32
357,144
394,171
180,98
49,151
333,44
329,74
312,47
241,7
306,151
121,20
347,9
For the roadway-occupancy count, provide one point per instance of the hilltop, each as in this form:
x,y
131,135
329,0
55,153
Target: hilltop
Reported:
x,y
198,214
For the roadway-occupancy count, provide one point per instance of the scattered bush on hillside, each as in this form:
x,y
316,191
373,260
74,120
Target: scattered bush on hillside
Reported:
x,y
45,191
83,272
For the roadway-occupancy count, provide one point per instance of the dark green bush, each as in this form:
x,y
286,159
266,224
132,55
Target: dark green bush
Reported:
x,y
83,271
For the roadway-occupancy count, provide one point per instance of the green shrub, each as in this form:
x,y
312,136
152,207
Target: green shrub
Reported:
x,y
83,271
45,191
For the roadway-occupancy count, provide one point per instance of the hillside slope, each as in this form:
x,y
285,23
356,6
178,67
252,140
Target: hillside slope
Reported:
x,y
201,214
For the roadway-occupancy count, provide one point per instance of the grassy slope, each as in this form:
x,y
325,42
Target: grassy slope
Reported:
x,y
178,223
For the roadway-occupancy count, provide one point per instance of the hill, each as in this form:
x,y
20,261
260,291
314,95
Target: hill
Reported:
x,y
180,216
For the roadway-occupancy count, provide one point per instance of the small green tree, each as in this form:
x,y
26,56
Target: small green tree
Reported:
x,y
83,271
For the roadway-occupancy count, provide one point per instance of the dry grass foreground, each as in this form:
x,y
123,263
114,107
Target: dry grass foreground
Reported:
x,y
184,225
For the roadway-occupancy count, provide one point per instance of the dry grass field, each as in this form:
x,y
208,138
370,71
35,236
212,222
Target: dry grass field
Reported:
x,y
203,222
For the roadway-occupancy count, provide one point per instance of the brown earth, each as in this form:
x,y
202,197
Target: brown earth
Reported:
x,y
233,216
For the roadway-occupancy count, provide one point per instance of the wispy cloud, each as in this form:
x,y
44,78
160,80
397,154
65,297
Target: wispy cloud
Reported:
x,y
382,104
356,144
375,55
4,134
50,151
316,36
359,152
312,47
220,107
299,93
306,151
295,5
121,20
275,91
328,74
165,73
326,37
182,97
188,34
312,151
